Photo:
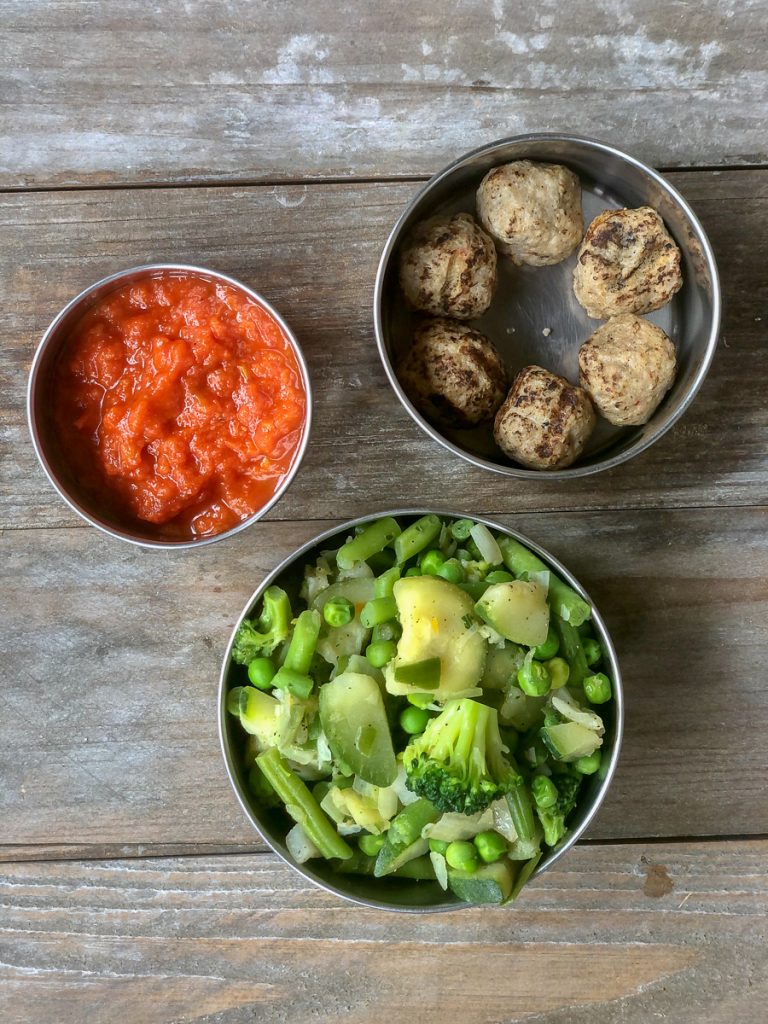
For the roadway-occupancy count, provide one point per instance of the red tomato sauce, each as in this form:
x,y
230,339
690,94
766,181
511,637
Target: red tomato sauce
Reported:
x,y
179,402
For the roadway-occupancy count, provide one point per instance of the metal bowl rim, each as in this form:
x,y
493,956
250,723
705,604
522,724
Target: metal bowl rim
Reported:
x,y
618,700
639,446
82,297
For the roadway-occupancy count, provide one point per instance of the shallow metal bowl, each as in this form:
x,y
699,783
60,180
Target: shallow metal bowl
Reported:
x,y
400,893
535,318
53,460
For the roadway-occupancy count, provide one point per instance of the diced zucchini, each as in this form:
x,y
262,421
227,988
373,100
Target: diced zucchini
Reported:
x,y
335,642
354,721
491,883
501,666
437,622
259,715
392,856
518,611
570,741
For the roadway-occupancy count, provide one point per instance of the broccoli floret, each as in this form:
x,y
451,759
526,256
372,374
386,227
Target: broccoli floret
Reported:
x,y
458,762
553,818
261,638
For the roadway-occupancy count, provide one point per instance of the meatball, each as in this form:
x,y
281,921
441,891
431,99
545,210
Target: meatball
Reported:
x,y
532,210
453,374
545,421
627,366
448,267
627,263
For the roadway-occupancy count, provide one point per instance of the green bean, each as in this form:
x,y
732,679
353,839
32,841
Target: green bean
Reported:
x,y
461,529
303,642
499,576
413,571
370,845
451,570
572,651
416,537
374,538
544,792
383,585
380,609
302,806
521,812
432,562
386,631
563,599
298,683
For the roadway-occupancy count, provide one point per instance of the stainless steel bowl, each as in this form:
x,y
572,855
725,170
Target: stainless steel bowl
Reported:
x,y
535,317
401,894
40,427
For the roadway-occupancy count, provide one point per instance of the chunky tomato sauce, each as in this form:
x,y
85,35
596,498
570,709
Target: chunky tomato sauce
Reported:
x,y
179,401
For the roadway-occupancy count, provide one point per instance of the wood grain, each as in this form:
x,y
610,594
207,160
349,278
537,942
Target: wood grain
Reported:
x,y
95,93
313,251
243,939
109,734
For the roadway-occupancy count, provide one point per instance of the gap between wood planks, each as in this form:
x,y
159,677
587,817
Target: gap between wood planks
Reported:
x,y
384,179
44,853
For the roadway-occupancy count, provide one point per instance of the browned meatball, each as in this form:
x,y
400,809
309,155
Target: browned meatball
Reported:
x,y
627,263
627,366
532,210
453,374
545,421
448,267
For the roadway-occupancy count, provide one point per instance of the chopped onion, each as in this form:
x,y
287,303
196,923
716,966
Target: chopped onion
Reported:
x,y
457,827
486,544
348,830
300,846
404,795
541,577
562,701
440,865
502,820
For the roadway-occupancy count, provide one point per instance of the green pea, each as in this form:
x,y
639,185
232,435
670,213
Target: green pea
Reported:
x,y
462,856
592,650
588,765
381,652
544,791
261,672
534,679
413,571
370,845
490,846
597,688
431,562
414,720
559,671
451,570
549,648
438,846
338,611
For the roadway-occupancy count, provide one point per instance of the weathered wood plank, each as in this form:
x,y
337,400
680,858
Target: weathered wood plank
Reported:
x,y
595,940
108,733
94,93
313,250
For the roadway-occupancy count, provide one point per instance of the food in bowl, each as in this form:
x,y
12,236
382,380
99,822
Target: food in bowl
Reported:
x,y
448,267
453,373
532,210
428,706
178,403
544,422
627,263
626,367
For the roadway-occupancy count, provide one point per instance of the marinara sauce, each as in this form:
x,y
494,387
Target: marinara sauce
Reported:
x,y
179,401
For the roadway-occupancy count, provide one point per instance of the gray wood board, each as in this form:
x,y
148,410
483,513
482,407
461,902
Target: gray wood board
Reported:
x,y
631,933
108,731
94,93
313,251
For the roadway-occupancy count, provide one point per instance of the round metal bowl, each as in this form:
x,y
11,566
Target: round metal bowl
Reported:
x,y
54,461
535,317
401,894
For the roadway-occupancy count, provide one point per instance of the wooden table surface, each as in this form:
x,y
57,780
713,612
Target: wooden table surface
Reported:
x,y
279,143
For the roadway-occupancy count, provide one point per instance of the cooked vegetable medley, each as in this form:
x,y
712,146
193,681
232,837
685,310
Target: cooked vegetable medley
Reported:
x,y
424,707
